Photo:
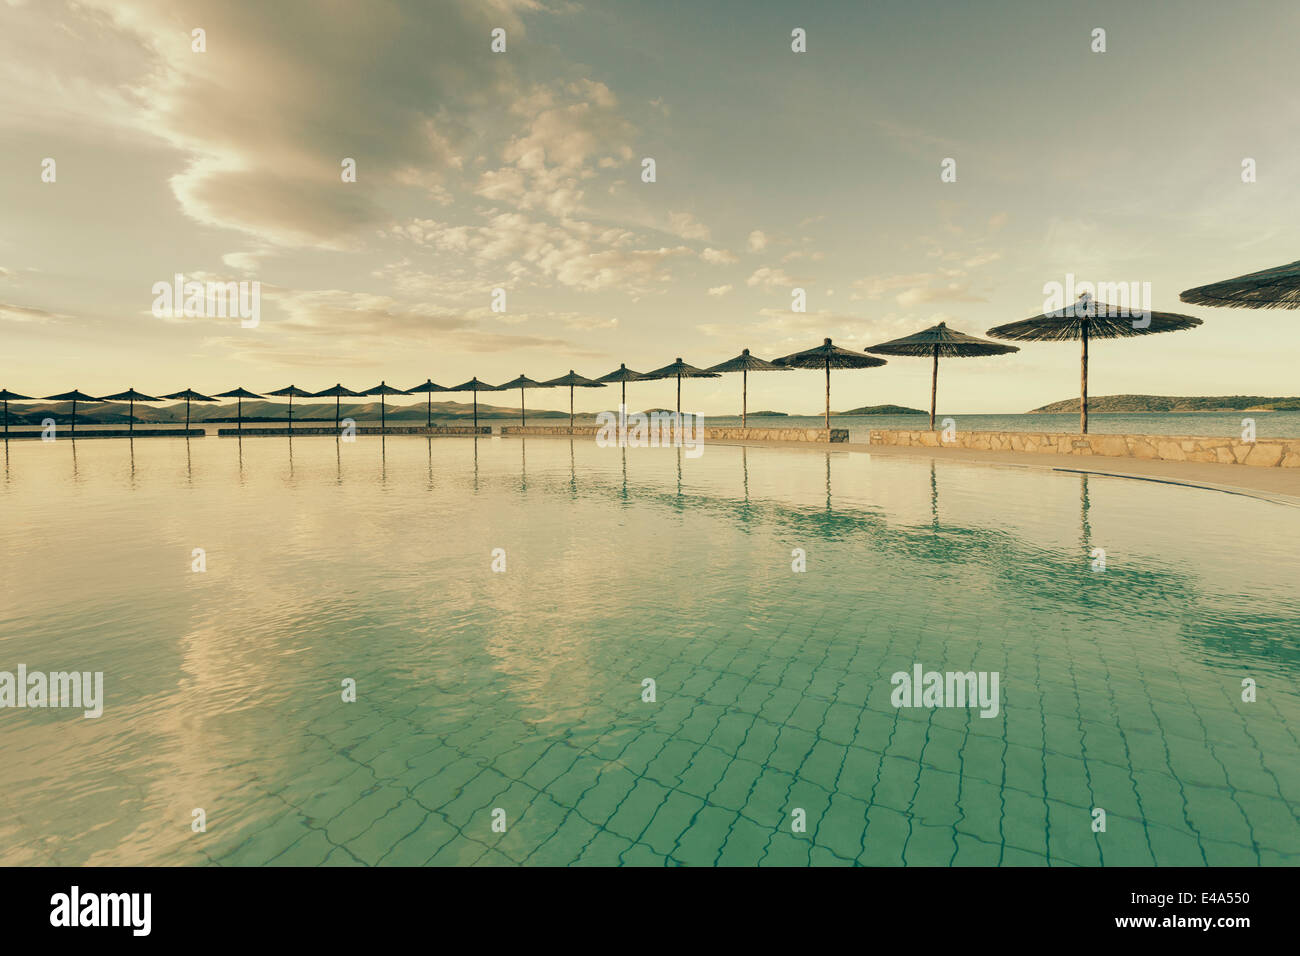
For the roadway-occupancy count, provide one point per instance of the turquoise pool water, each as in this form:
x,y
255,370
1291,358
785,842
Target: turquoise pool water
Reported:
x,y
521,690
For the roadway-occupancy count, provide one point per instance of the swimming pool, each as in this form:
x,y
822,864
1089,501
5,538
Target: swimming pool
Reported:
x,y
522,690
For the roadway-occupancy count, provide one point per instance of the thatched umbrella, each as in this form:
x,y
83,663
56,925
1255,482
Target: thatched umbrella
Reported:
x,y
293,391
622,375
475,386
130,396
680,370
573,379
1089,319
1276,288
936,341
744,363
336,393
73,396
521,383
382,390
7,396
829,356
189,395
428,388
241,394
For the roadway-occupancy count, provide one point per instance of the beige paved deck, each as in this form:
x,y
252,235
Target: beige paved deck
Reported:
x,y
1281,484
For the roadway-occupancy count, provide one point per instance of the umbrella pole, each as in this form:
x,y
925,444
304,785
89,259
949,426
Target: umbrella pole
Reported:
x,y
744,397
336,413
523,412
828,394
475,394
291,413
934,385
74,418
428,419
187,418
130,416
679,400
1083,382
624,396
6,419
570,409
383,414
240,415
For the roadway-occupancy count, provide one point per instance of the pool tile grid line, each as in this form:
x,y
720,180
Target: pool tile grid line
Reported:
x,y
1245,725
714,683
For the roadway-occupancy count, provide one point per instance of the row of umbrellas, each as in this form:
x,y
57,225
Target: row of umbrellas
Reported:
x,y
1276,288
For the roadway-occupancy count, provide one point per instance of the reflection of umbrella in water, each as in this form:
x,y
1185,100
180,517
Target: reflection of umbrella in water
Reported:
x,y
1089,319
241,394
292,391
934,498
429,387
74,397
1085,526
572,379
680,370
475,386
829,356
130,396
1276,288
189,395
7,396
744,363
937,342
828,481
622,375
336,393
521,383
383,389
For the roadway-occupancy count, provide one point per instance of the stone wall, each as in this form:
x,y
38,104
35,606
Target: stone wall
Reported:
x,y
1264,453
711,433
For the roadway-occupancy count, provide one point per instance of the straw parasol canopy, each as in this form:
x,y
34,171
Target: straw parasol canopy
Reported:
x,y
1089,319
1276,288
383,390
429,387
188,395
573,379
74,397
680,370
241,394
7,396
337,392
622,375
475,386
521,383
744,363
829,356
130,396
940,341
293,391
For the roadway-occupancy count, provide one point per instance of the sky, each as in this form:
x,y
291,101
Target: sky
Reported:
x,y
522,171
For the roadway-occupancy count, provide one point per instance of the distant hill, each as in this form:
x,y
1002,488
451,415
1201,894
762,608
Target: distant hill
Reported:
x,y
882,410
1175,403
769,414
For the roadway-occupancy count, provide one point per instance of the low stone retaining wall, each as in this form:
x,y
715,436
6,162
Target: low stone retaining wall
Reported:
x,y
64,432
283,432
1264,453
711,433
